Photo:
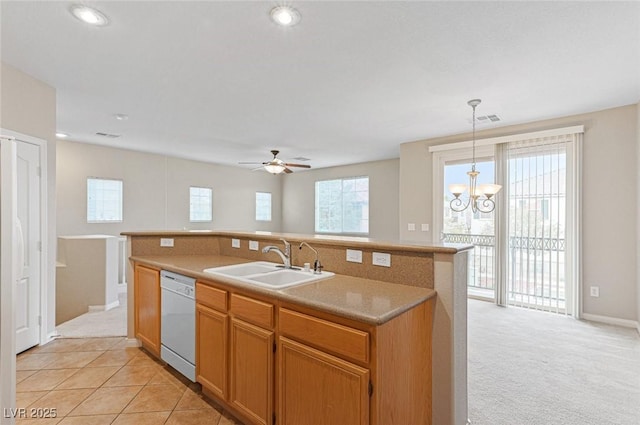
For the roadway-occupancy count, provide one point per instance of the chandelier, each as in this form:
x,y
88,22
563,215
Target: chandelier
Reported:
x,y
480,196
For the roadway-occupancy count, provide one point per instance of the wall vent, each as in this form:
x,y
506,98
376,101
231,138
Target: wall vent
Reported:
x,y
110,136
484,119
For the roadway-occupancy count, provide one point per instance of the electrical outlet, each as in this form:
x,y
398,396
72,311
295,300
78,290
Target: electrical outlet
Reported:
x,y
354,256
425,227
381,259
166,242
411,227
235,243
253,245
595,291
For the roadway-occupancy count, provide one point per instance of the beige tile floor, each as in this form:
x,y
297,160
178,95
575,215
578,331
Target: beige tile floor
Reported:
x,y
100,381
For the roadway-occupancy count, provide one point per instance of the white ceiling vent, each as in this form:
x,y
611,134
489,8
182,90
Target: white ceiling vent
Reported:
x,y
110,136
487,118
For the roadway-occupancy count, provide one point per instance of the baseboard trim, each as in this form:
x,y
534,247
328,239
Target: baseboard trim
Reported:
x,y
133,342
612,321
122,288
94,308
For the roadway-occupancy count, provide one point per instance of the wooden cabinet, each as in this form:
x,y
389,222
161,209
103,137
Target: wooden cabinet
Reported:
x,y
322,385
147,307
212,334
332,370
316,388
211,350
252,359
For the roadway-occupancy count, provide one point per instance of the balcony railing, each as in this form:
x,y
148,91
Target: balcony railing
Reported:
x,y
536,269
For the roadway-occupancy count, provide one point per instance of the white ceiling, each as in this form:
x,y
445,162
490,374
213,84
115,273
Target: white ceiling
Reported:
x,y
219,82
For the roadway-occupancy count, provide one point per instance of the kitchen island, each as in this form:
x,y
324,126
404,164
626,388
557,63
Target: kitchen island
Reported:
x,y
367,330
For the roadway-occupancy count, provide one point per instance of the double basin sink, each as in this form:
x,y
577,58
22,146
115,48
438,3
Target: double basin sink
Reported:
x,y
267,274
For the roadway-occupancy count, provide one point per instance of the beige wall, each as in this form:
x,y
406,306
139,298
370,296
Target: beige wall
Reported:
x,y
610,192
638,212
156,191
28,106
298,194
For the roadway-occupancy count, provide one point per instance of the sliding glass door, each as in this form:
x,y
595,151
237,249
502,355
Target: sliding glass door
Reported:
x,y
540,219
526,252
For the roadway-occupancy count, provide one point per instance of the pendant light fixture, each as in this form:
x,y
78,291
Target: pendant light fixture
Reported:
x,y
480,196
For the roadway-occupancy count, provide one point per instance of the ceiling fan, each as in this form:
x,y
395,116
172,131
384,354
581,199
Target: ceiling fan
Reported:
x,y
276,165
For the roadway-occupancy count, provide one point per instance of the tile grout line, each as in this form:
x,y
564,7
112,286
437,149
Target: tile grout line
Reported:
x,y
159,368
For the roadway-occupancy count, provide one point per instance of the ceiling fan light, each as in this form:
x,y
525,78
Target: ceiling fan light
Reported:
x,y
274,168
89,15
285,16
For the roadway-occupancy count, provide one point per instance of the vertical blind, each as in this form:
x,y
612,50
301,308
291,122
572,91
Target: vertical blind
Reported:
x,y
537,222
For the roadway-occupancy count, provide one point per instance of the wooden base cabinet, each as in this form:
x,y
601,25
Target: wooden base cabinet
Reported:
x,y
211,350
316,388
252,371
147,307
336,371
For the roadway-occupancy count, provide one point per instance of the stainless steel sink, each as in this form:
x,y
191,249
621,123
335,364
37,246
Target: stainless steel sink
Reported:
x,y
266,274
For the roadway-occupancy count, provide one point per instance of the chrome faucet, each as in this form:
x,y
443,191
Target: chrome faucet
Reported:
x,y
317,266
286,255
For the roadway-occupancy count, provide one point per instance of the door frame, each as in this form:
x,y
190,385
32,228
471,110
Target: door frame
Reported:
x,y
8,274
44,227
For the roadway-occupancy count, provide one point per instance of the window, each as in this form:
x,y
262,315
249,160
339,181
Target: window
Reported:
x,y
263,206
342,206
104,200
200,204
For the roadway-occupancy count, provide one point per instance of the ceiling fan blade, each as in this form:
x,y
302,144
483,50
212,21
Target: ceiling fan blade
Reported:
x,y
288,171
298,165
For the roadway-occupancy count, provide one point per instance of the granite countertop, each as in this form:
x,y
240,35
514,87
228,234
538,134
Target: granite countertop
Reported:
x,y
369,301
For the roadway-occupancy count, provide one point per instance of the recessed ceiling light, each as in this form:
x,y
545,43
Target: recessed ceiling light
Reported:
x,y
121,117
89,15
62,135
285,16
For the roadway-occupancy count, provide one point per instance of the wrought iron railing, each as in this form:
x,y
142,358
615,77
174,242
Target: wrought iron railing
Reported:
x,y
537,267
481,260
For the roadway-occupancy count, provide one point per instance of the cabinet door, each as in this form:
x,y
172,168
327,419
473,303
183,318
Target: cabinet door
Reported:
x,y
211,350
316,388
251,389
147,307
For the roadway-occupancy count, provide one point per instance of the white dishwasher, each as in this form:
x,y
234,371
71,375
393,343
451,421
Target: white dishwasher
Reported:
x,y
178,323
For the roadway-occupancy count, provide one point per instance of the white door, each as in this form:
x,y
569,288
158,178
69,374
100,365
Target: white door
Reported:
x,y
27,293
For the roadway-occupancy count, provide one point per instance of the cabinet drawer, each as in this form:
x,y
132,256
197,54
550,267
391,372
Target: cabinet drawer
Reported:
x,y
342,340
211,297
254,311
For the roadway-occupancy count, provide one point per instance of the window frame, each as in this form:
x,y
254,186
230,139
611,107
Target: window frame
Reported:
x,y
120,218
210,219
342,232
270,206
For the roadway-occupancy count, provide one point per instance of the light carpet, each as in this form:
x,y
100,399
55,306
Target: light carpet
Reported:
x,y
97,324
533,368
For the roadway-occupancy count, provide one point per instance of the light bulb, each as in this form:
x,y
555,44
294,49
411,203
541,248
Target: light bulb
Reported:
x,y
89,15
285,16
